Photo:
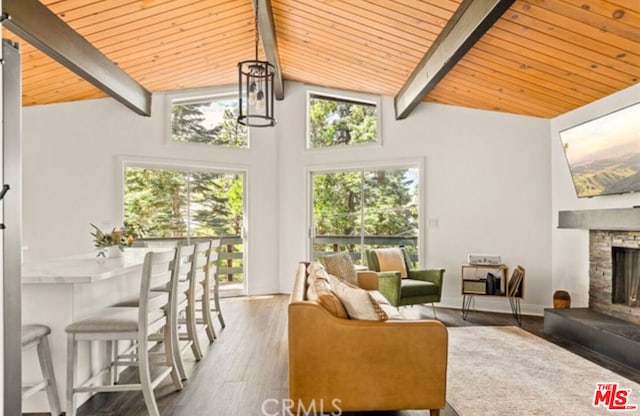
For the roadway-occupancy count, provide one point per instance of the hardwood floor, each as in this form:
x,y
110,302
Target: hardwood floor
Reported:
x,y
246,367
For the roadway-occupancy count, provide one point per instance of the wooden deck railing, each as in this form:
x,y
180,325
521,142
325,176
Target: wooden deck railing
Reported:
x,y
231,252
325,244
231,267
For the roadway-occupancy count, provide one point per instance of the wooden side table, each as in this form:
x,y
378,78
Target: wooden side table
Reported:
x,y
474,283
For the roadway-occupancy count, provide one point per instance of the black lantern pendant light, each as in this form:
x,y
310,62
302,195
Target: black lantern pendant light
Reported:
x,y
255,89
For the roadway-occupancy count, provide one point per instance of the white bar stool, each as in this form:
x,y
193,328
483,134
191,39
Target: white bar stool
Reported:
x,y
36,335
209,283
153,315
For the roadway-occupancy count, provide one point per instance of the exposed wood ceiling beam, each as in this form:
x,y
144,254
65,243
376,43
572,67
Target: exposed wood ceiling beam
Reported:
x,y
36,24
270,44
467,25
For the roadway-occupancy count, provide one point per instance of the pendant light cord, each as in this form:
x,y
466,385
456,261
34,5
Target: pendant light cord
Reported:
x,y
256,24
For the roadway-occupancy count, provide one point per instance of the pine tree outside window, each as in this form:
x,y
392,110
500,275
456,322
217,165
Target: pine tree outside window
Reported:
x,y
208,120
172,203
334,121
356,210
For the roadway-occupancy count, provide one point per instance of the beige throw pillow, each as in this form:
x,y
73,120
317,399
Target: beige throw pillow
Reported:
x,y
314,267
391,311
315,270
341,265
319,290
358,303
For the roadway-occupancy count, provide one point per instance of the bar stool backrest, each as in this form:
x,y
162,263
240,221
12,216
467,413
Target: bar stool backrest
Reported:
x,y
214,260
184,258
200,261
157,273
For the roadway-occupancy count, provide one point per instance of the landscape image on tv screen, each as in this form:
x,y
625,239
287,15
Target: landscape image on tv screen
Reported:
x,y
604,154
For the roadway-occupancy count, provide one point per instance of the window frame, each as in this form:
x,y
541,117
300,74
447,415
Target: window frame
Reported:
x,y
196,95
412,163
346,96
159,163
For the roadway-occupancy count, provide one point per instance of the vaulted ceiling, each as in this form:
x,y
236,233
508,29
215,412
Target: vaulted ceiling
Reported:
x,y
541,58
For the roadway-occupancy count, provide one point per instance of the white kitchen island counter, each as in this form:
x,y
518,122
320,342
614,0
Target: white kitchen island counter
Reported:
x,y
57,292
85,268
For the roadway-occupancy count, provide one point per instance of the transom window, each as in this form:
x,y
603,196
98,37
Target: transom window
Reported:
x,y
339,121
209,120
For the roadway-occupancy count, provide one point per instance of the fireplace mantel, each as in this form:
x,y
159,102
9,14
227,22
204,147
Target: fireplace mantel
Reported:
x,y
615,219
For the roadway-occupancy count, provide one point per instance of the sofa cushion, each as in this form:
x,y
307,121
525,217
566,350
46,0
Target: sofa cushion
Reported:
x,y
319,290
315,270
410,288
379,297
391,311
341,265
358,302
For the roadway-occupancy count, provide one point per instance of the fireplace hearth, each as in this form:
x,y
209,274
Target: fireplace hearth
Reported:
x,y
612,337
611,323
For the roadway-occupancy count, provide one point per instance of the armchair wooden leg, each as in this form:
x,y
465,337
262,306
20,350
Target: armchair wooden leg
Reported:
x,y
435,315
434,412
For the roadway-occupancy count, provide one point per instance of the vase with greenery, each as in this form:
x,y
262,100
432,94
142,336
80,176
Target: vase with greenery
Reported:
x,y
118,237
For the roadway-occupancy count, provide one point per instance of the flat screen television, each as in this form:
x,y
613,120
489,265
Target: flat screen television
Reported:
x,y
604,154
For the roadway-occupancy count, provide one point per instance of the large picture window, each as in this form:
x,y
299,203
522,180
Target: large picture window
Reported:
x,y
209,120
169,204
365,209
335,121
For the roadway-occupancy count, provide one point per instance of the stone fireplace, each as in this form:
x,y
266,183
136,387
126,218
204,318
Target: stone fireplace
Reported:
x,y
610,325
614,254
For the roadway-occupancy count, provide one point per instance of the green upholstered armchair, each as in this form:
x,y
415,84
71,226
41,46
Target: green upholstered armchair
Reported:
x,y
401,285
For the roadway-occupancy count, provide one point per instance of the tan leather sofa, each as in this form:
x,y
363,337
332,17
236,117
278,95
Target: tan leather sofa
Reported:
x,y
355,365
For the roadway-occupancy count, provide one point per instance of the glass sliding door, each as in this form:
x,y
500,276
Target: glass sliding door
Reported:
x,y
216,208
391,209
362,209
156,202
337,213
183,203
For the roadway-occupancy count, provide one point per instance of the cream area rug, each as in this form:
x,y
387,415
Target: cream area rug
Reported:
x,y
506,371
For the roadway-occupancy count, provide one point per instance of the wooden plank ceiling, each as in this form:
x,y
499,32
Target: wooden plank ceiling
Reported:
x,y
542,58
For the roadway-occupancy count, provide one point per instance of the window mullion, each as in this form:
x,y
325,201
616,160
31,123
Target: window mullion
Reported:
x,y
362,217
188,177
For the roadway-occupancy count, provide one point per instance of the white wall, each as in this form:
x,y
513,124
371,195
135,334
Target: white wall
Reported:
x,y
72,177
570,248
487,188
487,180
